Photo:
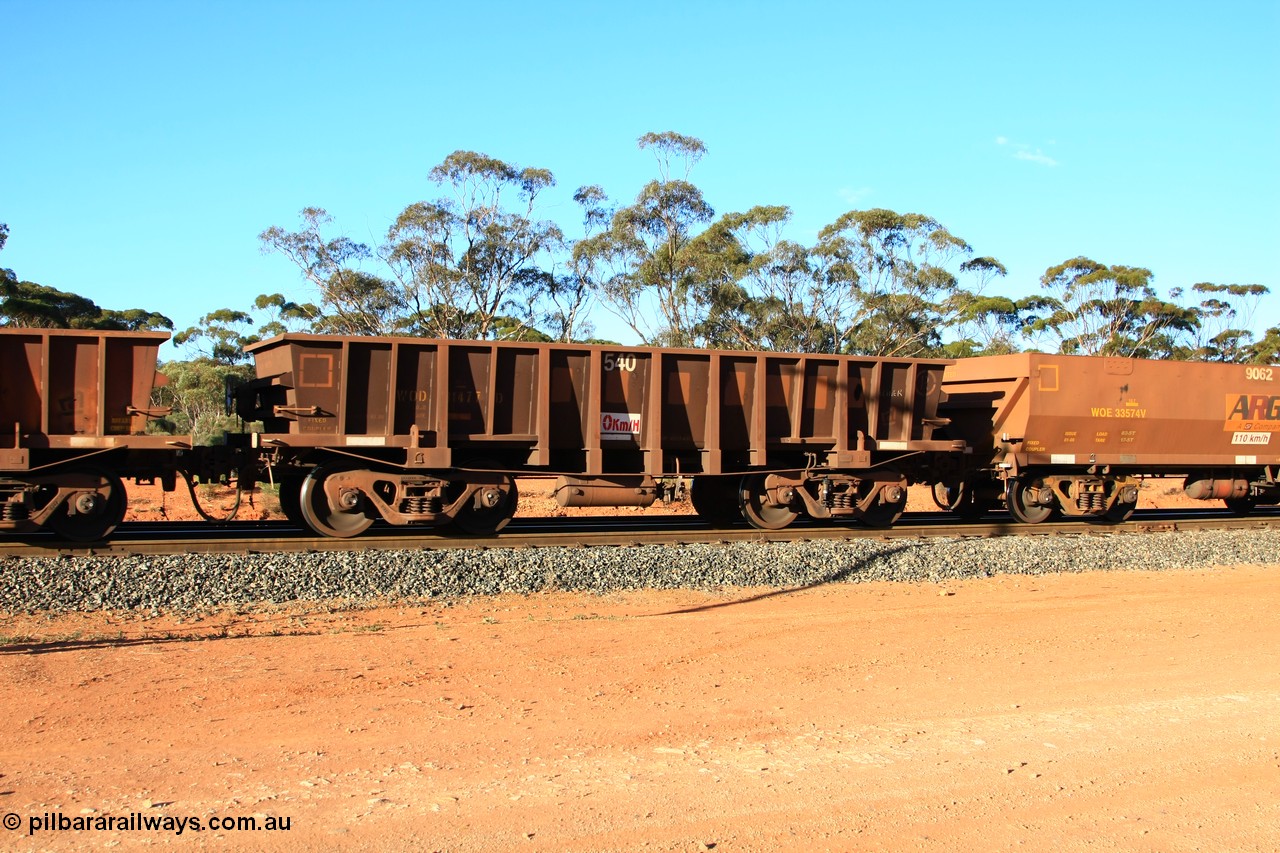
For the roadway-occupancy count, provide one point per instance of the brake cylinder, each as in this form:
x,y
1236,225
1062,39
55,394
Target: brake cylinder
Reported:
x,y
1207,490
618,491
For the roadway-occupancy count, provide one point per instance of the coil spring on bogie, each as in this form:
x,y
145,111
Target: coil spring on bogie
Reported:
x,y
13,512
420,505
841,500
1091,501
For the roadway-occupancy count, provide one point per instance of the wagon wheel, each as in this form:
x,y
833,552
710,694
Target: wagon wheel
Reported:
x,y
350,517
497,506
1120,511
962,499
97,510
714,500
882,514
754,501
290,494
1241,506
1020,495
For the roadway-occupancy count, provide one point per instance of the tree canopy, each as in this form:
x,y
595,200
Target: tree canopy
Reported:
x,y
482,260
1096,309
481,256
26,303
466,263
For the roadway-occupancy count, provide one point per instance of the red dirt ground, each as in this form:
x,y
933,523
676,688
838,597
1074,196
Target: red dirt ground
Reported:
x,y
1132,711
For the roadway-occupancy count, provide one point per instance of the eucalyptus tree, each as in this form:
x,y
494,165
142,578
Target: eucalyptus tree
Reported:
x,y
128,320
7,276
196,395
1225,314
645,264
761,292
222,335
219,336
27,304
1096,309
571,294
277,315
352,301
1266,350
792,312
985,323
466,259
886,280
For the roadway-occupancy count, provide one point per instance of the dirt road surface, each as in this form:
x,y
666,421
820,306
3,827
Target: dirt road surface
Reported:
x,y
1135,711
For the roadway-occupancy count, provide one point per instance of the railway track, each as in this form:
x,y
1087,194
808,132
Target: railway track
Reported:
x,y
167,538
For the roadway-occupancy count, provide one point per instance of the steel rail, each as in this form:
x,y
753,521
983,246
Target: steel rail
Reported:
x,y
161,538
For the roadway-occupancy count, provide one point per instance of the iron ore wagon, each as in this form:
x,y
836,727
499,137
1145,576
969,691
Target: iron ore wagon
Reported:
x,y
1073,434
74,407
432,432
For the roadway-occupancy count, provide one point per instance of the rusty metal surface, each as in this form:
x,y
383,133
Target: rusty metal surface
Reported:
x,y
180,538
591,410
1040,409
74,407
75,390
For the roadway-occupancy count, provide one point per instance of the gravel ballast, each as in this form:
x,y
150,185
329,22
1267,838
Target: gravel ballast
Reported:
x,y
200,583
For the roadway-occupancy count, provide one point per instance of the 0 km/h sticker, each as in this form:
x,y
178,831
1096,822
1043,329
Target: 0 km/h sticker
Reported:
x,y
619,424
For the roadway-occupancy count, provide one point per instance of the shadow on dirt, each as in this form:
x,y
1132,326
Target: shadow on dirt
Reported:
x,y
38,647
253,629
834,577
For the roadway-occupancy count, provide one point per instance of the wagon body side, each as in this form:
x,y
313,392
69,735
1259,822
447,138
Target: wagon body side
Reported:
x,y
1078,430
618,425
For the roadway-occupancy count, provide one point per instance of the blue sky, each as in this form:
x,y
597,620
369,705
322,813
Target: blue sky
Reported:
x,y
146,145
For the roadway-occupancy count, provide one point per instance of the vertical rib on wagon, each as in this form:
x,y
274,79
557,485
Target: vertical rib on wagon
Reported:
x,y
74,406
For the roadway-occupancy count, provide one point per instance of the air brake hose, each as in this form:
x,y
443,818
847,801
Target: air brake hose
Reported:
x,y
195,501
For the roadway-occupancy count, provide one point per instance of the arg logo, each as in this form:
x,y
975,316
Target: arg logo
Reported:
x,y
1253,412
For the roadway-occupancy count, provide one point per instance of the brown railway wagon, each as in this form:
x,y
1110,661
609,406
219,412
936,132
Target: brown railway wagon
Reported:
x,y
1073,433
432,431
73,413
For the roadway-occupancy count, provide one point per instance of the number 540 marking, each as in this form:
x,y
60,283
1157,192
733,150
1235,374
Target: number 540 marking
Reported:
x,y
621,361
